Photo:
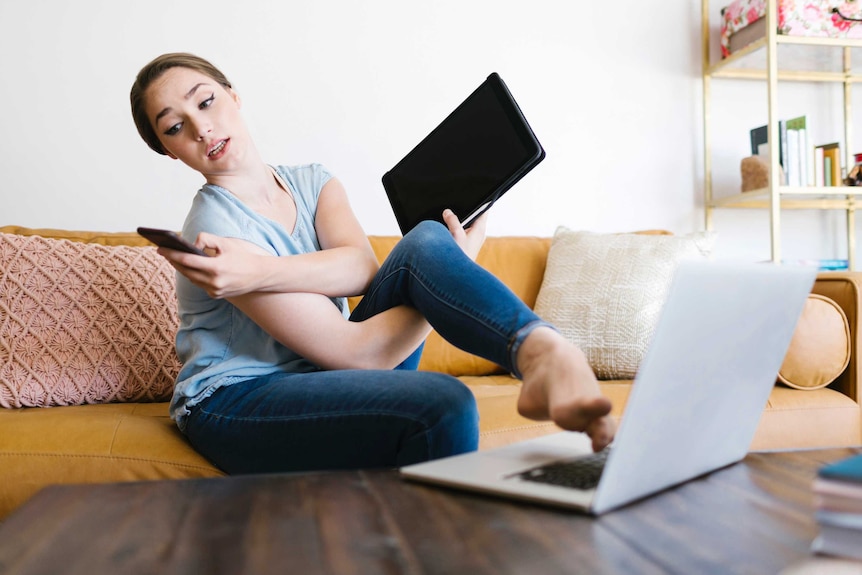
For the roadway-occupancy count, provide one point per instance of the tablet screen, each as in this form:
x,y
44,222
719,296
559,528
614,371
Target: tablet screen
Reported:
x,y
469,160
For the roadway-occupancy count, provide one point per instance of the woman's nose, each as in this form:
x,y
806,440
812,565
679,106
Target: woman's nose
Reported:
x,y
201,128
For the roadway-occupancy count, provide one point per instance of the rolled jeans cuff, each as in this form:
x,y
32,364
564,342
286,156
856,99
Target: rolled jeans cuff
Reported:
x,y
519,338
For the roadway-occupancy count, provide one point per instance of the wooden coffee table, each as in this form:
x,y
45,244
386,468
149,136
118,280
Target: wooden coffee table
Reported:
x,y
754,517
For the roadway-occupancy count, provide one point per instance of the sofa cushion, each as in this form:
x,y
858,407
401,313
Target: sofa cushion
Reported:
x,y
801,420
604,292
820,349
84,323
91,444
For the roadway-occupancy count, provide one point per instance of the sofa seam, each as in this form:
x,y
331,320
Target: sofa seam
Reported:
x,y
826,407
120,420
115,457
518,428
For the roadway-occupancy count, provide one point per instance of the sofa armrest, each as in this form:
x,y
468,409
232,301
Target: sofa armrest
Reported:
x,y
845,288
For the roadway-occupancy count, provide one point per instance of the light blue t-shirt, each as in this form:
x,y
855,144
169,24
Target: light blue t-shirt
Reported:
x,y
217,344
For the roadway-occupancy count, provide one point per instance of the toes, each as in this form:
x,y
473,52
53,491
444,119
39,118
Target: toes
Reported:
x,y
597,407
578,415
601,431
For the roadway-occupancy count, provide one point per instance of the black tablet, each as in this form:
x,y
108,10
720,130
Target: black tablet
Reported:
x,y
472,158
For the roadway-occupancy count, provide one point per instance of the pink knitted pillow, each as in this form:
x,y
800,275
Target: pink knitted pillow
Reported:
x,y
84,323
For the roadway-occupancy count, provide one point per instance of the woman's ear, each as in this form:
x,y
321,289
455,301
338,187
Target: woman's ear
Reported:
x,y
235,97
168,152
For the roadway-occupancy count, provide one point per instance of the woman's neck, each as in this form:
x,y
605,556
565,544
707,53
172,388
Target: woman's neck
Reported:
x,y
252,186
258,187
250,180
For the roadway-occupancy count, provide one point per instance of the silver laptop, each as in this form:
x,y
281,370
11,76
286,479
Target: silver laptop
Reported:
x,y
693,408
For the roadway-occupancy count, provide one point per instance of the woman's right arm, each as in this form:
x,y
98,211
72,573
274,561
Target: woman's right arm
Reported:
x,y
312,326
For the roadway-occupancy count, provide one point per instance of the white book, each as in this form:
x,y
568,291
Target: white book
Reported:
x,y
819,179
793,161
805,159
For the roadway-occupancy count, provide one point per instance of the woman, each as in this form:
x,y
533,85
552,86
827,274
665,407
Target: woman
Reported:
x,y
277,375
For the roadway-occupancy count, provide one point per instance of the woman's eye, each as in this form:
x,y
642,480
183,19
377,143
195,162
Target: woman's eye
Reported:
x,y
207,103
173,129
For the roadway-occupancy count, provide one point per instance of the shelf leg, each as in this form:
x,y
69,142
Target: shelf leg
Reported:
x,y
773,138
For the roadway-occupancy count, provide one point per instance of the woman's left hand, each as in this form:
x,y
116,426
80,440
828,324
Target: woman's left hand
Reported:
x,y
471,239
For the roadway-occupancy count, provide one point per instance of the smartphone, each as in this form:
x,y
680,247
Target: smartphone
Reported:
x,y
170,240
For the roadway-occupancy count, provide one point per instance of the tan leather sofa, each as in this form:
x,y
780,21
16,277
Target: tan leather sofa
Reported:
x,y
137,441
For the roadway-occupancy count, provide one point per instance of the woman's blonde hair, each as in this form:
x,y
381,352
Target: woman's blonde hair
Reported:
x,y
152,72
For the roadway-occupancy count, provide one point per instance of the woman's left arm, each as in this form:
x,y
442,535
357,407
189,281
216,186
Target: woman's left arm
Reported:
x,y
344,266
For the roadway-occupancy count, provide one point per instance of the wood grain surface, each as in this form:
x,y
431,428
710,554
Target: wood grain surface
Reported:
x,y
754,517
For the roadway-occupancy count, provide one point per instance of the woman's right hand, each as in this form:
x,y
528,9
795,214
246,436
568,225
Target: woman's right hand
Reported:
x,y
233,269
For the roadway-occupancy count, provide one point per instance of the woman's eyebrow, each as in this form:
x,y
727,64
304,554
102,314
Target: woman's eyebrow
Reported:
x,y
188,95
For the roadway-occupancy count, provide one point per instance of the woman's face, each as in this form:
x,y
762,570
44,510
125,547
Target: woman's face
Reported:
x,y
197,121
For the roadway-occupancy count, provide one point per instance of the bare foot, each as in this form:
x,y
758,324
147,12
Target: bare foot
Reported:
x,y
558,384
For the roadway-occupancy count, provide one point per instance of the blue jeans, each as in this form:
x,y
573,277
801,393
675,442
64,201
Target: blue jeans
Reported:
x,y
345,419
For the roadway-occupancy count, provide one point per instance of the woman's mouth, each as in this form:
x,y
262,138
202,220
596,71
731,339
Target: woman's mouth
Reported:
x,y
218,150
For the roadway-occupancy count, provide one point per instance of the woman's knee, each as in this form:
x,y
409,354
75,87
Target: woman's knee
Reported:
x,y
428,233
457,418
457,396
427,246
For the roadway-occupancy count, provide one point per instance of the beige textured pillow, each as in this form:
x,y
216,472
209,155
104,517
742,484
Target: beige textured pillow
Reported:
x,y
84,323
604,291
820,349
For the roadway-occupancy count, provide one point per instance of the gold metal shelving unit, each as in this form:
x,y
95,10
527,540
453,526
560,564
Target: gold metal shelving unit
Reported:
x,y
813,60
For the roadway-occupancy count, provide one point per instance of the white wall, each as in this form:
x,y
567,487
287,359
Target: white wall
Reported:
x,y
612,91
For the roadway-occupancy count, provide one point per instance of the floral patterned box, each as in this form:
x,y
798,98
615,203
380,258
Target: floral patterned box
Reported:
x,y
744,21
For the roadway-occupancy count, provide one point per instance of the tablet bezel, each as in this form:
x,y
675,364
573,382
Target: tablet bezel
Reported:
x,y
519,126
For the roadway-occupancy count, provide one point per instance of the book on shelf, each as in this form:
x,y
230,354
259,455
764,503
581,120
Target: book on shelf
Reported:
x,y
799,153
831,164
834,265
819,172
838,501
794,159
760,141
824,264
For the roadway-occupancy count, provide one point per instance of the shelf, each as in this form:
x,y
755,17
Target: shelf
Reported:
x,y
775,59
794,198
814,59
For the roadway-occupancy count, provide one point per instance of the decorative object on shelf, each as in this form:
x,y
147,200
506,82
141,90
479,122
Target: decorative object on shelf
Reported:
x,y
844,16
854,176
744,22
755,173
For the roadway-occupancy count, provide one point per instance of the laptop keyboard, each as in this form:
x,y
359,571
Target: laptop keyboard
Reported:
x,y
581,473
